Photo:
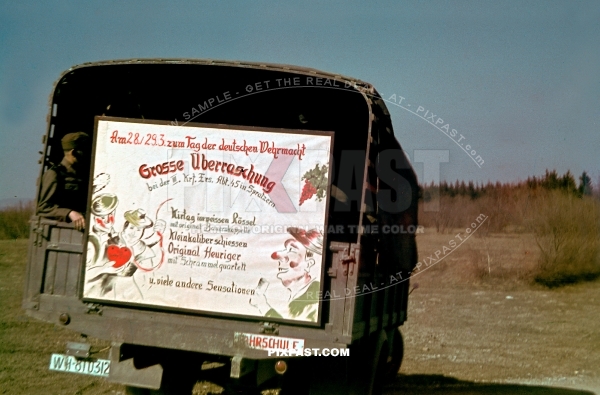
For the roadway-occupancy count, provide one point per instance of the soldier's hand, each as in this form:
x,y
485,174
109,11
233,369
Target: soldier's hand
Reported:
x,y
77,219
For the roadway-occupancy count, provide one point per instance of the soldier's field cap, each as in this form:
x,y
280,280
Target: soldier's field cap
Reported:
x,y
75,140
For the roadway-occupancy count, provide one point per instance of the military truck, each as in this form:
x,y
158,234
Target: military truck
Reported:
x,y
253,223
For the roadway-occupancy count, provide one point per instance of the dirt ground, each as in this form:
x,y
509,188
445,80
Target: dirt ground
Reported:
x,y
476,325
533,337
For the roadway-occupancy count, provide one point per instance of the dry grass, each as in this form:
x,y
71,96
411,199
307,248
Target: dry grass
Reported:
x,y
14,221
482,259
564,228
506,212
567,232
26,344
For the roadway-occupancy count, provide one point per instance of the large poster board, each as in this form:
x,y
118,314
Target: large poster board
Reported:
x,y
223,220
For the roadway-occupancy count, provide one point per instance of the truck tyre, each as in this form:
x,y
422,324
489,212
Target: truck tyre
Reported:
x,y
377,359
350,375
241,391
397,355
136,391
296,381
162,391
319,376
174,382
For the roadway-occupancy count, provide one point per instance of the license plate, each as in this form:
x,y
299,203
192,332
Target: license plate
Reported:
x,y
68,363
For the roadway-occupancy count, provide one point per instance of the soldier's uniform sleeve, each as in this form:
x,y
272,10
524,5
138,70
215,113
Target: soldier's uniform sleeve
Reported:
x,y
48,206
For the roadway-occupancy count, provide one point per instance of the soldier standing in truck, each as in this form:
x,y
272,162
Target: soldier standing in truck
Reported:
x,y
63,193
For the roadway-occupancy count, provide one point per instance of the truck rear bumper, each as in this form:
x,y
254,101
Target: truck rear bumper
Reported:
x,y
124,371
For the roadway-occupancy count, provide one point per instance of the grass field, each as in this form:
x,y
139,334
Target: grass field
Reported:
x,y
463,330
26,344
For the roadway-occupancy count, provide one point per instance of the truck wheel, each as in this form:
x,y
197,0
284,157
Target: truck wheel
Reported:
x,y
136,391
162,391
397,354
351,375
379,377
296,381
241,391
173,383
377,359
317,376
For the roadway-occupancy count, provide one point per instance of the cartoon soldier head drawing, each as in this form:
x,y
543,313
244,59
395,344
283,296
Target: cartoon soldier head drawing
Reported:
x,y
136,223
295,260
103,209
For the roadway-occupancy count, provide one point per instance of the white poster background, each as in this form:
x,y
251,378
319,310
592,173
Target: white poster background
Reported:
x,y
165,181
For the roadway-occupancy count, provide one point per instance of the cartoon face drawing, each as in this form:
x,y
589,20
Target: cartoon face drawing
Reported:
x,y
103,208
104,222
298,256
294,262
131,233
136,223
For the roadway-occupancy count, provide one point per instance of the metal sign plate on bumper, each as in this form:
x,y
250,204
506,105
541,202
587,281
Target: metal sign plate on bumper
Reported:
x,y
68,363
269,343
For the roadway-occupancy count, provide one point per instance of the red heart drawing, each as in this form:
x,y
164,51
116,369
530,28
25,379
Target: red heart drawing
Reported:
x,y
119,255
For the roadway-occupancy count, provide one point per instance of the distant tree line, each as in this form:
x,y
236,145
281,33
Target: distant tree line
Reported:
x,y
14,220
549,181
562,213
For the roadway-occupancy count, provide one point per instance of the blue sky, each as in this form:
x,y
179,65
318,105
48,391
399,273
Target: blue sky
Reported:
x,y
519,80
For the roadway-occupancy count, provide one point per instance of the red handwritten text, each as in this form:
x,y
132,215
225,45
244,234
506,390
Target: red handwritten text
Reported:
x,y
248,174
161,169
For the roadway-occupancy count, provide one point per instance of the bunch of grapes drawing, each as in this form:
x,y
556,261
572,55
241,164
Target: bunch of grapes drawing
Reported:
x,y
315,182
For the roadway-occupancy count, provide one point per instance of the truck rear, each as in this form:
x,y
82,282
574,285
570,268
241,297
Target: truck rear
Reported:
x,y
254,216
